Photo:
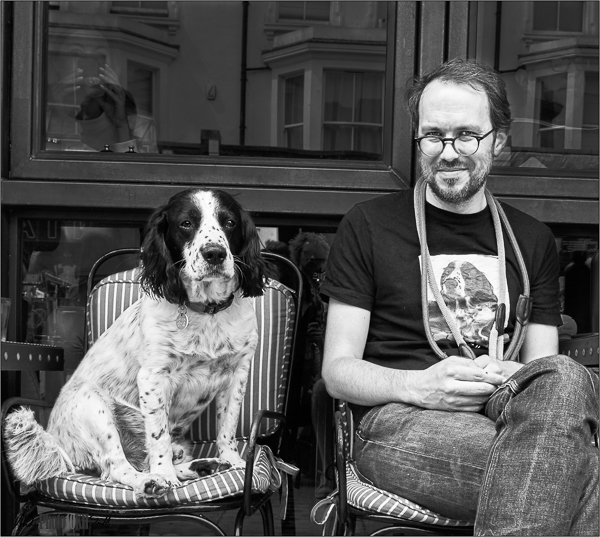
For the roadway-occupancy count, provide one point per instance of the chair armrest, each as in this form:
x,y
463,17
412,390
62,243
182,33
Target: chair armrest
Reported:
x,y
258,417
12,483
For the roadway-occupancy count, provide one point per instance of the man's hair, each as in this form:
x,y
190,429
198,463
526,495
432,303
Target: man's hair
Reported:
x,y
477,75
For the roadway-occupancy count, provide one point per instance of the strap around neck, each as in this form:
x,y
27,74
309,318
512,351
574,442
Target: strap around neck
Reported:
x,y
428,279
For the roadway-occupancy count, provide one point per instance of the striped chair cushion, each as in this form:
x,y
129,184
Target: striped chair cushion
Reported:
x,y
81,488
366,497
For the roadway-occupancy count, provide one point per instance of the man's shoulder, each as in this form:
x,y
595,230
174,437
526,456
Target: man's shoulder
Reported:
x,y
521,222
383,204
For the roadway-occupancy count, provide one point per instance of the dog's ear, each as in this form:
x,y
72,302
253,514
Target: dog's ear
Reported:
x,y
160,276
252,267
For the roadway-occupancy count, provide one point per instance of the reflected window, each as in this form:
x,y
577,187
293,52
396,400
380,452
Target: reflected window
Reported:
x,y
156,77
557,16
353,112
294,112
547,53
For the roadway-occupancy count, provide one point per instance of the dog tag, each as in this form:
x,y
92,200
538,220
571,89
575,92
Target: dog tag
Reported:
x,y
182,318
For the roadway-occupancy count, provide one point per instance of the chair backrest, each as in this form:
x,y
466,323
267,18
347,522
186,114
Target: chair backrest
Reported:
x,y
270,372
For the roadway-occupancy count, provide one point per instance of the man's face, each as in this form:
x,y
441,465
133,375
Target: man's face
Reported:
x,y
448,110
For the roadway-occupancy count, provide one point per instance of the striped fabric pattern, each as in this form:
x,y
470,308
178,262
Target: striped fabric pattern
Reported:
x,y
369,498
84,489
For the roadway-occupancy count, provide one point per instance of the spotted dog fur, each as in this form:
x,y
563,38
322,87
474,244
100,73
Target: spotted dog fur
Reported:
x,y
124,413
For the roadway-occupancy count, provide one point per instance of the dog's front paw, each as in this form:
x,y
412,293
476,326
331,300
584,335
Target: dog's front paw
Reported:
x,y
154,486
204,467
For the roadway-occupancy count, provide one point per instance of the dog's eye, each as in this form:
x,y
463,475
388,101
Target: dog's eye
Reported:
x,y
230,223
186,224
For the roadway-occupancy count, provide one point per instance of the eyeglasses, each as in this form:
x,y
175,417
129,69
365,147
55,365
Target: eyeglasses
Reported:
x,y
465,144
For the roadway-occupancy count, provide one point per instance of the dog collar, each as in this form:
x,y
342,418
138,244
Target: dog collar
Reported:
x,y
182,318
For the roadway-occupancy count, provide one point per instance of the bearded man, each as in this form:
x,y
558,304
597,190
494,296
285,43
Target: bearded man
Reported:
x,y
498,429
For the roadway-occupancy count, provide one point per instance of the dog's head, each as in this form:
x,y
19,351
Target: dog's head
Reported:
x,y
198,239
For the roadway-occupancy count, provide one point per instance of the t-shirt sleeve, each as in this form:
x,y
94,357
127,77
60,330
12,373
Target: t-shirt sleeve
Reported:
x,y
544,282
349,275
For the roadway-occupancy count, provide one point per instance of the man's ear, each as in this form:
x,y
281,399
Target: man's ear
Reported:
x,y
500,142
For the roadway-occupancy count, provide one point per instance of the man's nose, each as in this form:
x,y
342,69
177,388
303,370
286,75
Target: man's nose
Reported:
x,y
449,153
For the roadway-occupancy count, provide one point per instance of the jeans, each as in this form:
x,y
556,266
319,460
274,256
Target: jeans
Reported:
x,y
526,465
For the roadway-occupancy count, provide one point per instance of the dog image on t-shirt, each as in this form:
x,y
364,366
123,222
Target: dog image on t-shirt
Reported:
x,y
467,284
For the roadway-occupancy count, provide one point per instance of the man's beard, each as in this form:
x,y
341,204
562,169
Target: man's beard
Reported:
x,y
444,191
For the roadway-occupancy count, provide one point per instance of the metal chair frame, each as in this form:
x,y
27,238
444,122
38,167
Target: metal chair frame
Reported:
x,y
247,504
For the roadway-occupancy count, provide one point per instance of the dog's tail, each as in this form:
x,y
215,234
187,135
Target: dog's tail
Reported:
x,y
33,453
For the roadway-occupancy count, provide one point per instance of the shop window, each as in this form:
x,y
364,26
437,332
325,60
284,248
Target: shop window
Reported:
x,y
304,11
143,85
557,16
57,256
294,112
353,112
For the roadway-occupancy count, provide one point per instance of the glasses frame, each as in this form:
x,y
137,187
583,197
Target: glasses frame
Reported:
x,y
445,141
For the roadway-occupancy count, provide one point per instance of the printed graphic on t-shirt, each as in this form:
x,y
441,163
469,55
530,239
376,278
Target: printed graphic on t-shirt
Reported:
x,y
469,286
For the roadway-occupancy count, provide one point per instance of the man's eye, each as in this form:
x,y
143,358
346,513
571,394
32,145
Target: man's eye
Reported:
x,y
230,224
186,224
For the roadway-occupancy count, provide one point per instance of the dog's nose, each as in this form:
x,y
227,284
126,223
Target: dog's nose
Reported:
x,y
214,254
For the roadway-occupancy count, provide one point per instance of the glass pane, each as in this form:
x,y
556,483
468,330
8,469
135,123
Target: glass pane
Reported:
x,y
339,96
294,100
134,77
551,79
545,16
291,10
368,139
337,138
369,97
57,256
294,136
317,11
570,16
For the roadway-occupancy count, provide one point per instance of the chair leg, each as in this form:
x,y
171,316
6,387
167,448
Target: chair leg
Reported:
x,y
266,512
26,516
288,525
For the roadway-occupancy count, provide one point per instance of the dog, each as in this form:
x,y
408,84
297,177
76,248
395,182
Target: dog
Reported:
x,y
190,338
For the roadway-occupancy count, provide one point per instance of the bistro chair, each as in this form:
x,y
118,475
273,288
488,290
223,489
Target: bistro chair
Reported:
x,y
356,499
80,502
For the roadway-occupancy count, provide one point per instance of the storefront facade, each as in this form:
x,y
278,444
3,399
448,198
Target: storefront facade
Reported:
x,y
294,107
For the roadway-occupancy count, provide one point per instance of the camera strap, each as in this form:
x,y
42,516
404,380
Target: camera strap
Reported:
x,y
496,337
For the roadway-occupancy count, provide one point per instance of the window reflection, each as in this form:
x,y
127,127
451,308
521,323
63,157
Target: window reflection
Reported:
x,y
57,258
547,53
156,77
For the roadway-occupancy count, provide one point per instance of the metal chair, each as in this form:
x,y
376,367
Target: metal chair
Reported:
x,y
79,501
356,499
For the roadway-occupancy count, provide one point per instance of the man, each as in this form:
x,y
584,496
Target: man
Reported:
x,y
506,444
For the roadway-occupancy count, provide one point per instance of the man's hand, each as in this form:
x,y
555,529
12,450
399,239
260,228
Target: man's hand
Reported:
x,y
454,384
491,365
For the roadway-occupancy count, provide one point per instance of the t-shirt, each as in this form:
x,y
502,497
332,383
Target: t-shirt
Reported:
x,y
374,264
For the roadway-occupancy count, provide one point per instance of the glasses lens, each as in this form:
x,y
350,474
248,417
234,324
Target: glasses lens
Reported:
x,y
466,145
431,146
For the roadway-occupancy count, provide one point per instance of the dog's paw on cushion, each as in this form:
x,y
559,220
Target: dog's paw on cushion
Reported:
x,y
204,467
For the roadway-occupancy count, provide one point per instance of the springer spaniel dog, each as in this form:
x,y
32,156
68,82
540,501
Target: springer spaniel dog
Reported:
x,y
189,339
